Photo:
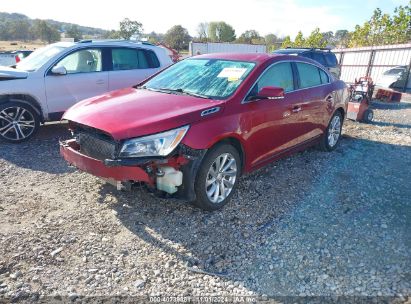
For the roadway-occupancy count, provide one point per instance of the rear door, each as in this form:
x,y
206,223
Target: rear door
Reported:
x,y
85,78
316,92
130,66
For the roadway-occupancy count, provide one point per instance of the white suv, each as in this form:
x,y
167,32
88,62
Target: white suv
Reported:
x,y
45,84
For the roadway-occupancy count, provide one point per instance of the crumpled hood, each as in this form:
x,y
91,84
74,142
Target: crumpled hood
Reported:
x,y
10,73
130,112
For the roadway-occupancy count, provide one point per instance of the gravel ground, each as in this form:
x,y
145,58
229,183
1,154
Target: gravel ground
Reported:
x,y
315,224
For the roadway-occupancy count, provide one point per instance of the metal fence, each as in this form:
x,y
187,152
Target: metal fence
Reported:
x,y
374,61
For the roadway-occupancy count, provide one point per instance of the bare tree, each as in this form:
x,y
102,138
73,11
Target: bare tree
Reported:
x,y
202,31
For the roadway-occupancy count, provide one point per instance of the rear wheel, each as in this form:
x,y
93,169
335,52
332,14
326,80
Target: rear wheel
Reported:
x,y
217,177
368,116
333,133
18,122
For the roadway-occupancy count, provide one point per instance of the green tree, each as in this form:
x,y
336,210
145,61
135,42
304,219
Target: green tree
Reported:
x,y
287,42
46,32
315,40
19,30
74,32
341,38
155,38
177,37
129,28
328,38
299,40
249,36
384,29
221,32
113,34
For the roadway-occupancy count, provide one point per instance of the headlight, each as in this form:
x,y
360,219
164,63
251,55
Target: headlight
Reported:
x,y
160,144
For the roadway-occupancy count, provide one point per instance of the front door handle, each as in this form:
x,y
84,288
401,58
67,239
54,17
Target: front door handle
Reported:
x,y
296,109
100,81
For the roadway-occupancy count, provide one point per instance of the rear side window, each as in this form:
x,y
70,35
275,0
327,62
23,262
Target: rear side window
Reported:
x,y
331,60
279,75
319,57
131,59
309,75
323,76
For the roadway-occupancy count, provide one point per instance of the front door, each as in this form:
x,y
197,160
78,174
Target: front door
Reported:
x,y
275,124
85,78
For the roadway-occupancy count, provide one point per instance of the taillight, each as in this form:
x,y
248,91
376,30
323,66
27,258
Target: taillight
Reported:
x,y
17,59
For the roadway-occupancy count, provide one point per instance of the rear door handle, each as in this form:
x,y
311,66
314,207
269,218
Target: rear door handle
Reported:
x,y
296,109
100,81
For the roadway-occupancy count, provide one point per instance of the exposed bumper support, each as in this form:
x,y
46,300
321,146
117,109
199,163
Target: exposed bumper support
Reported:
x,y
98,168
125,170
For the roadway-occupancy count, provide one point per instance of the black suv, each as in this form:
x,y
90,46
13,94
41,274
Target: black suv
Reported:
x,y
323,56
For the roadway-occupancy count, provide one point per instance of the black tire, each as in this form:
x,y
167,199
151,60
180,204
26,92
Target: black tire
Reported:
x,y
200,187
368,116
18,122
325,144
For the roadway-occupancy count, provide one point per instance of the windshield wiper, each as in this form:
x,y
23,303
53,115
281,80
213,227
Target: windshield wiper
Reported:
x,y
166,90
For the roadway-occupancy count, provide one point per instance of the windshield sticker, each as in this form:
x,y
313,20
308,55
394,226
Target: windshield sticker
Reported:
x,y
232,74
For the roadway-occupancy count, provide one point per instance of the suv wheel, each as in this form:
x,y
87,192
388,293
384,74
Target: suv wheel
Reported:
x,y
217,177
18,122
333,133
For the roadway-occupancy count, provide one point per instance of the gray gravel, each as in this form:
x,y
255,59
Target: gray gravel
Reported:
x,y
315,224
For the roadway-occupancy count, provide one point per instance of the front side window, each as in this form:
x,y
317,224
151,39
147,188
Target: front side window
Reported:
x,y
309,75
131,59
211,78
82,61
279,75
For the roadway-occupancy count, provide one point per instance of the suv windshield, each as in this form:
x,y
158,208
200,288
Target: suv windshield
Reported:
x,y
209,78
39,57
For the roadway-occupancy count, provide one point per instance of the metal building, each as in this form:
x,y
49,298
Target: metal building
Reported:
x,y
374,61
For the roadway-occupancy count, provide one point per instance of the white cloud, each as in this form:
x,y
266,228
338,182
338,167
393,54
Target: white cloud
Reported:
x,y
266,16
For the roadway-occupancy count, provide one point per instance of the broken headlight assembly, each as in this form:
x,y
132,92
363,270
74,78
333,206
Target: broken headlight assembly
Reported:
x,y
160,144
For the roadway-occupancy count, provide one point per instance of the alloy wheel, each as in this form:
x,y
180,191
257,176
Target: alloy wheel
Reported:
x,y
16,123
334,131
221,178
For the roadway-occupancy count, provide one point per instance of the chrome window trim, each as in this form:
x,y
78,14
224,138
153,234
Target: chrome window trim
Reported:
x,y
244,101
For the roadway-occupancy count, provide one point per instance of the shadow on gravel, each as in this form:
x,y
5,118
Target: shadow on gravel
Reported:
x,y
236,242
390,106
41,153
389,124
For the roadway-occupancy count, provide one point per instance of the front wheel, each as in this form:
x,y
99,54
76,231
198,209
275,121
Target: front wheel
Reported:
x,y
332,134
217,177
18,122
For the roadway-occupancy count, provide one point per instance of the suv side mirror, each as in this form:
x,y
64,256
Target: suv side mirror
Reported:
x,y
59,70
269,93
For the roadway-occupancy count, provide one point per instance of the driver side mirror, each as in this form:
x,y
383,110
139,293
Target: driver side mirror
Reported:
x,y
269,93
59,70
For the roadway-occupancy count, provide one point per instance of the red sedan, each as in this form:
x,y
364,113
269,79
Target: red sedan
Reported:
x,y
190,131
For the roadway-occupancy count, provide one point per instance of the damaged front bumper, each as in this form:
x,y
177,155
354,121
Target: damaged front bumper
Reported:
x,y
151,171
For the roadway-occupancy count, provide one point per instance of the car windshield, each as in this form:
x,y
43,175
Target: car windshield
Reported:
x,y
394,71
207,78
39,57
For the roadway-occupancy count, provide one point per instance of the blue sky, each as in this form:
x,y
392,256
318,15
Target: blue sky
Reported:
x,y
285,17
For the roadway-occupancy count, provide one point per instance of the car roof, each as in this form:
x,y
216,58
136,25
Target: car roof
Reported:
x,y
108,42
301,50
259,58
